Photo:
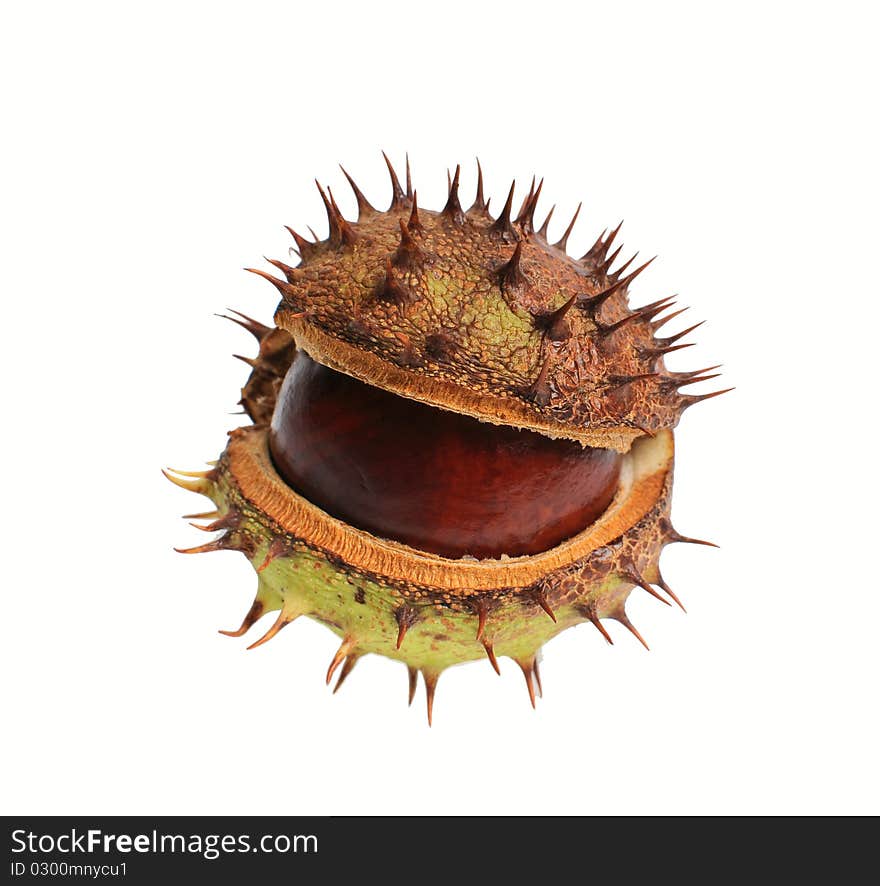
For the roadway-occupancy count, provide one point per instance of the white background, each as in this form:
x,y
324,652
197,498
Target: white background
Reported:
x,y
153,150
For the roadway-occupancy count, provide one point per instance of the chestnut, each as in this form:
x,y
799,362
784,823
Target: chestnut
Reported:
x,y
430,478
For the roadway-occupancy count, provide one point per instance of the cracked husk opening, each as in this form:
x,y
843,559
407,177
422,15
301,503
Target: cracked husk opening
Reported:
x,y
643,475
443,393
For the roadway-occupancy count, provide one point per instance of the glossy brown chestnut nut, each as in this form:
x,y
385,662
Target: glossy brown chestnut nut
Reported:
x,y
429,478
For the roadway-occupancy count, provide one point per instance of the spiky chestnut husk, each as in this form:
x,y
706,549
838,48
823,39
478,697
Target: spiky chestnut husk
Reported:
x,y
485,318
